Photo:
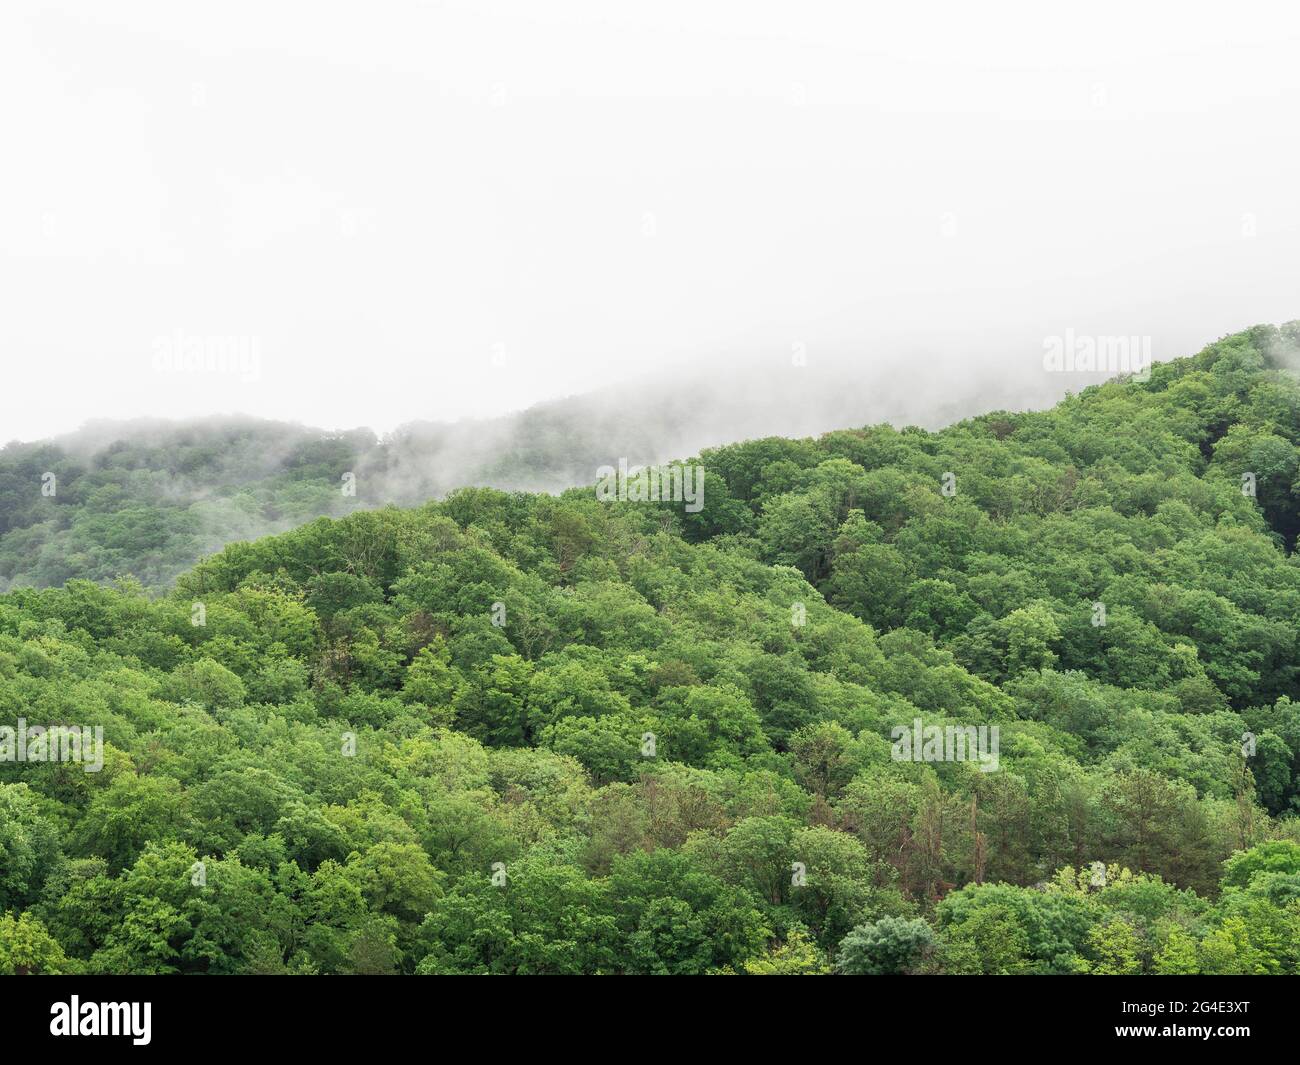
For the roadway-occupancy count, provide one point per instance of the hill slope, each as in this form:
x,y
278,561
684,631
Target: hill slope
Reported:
x,y
148,499
514,733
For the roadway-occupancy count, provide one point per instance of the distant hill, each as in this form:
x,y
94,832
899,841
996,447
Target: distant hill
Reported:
x,y
149,498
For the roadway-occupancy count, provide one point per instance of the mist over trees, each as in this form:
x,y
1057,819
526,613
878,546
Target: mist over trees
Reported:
x,y
147,499
518,733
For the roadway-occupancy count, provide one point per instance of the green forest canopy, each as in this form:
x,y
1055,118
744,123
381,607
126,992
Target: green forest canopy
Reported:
x,y
510,733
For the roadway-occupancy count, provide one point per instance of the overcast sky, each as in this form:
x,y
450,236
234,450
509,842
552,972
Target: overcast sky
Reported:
x,y
440,209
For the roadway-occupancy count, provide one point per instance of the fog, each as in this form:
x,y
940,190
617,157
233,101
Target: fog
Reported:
x,y
756,217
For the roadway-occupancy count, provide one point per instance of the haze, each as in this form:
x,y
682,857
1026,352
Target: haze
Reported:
x,y
434,211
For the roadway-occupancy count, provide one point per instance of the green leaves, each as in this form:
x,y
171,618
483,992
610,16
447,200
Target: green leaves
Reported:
x,y
505,733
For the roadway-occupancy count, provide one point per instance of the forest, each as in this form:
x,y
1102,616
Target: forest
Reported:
x,y
150,497
514,733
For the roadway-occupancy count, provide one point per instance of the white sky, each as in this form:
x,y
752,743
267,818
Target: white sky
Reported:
x,y
382,193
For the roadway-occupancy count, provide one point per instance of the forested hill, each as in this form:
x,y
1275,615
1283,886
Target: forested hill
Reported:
x,y
148,499
531,734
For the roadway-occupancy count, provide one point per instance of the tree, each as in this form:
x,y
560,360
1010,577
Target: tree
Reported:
x,y
28,949
207,683
990,942
1114,942
887,947
544,919
1178,956
129,813
797,956
29,845
431,682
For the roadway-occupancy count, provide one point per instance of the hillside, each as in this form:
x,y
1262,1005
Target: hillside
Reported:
x,y
517,733
148,499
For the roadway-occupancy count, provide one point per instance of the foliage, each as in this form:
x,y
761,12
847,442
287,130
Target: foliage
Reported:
x,y
507,733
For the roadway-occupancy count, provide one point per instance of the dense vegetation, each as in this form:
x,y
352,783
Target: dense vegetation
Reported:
x,y
505,733
148,499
